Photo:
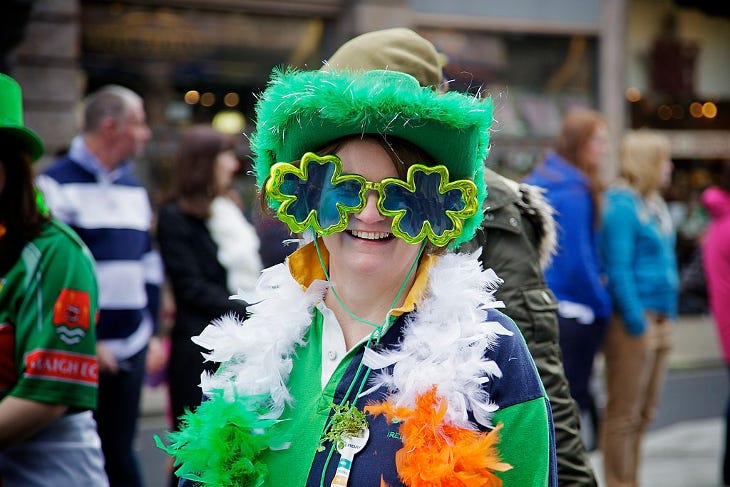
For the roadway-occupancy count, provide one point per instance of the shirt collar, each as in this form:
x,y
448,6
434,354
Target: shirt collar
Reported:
x,y
79,152
305,267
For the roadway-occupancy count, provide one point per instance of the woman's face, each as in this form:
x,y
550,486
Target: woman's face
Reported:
x,y
596,148
226,165
367,247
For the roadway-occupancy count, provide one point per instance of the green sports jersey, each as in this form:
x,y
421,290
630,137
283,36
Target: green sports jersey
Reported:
x,y
48,307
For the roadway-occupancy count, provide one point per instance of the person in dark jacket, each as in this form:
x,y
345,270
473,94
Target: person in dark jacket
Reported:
x,y
209,251
517,240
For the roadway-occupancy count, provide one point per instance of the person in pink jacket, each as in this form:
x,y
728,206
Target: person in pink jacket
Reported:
x,y
716,260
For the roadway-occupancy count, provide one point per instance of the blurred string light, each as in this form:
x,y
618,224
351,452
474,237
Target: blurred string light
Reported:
x,y
664,112
207,99
709,109
231,99
633,94
696,110
229,122
192,97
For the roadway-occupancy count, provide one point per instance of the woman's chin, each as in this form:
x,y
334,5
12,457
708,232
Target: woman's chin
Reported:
x,y
381,259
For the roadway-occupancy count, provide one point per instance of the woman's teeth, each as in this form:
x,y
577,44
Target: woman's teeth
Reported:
x,y
370,235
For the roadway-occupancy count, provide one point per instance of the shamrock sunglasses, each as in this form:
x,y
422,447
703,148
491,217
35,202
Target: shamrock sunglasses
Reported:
x,y
317,195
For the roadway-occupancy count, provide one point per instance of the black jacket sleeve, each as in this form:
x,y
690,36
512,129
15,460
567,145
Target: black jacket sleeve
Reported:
x,y
198,280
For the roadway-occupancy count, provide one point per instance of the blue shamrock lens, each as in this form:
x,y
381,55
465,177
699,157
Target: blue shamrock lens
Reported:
x,y
426,203
318,193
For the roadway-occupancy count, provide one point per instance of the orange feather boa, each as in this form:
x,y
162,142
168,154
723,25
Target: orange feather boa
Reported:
x,y
435,454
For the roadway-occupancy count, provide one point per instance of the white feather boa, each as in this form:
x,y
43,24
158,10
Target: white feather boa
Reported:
x,y
444,344
445,341
238,244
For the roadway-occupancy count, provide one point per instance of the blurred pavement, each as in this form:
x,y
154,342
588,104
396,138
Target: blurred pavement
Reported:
x,y
682,454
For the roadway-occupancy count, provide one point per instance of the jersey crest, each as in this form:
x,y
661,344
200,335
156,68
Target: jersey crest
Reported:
x,y
72,315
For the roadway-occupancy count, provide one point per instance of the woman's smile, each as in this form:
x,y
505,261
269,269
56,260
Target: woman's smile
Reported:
x,y
370,235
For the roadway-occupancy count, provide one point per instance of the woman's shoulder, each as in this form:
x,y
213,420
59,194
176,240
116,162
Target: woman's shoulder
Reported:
x,y
511,338
170,209
519,381
171,219
58,239
554,173
620,190
56,243
621,196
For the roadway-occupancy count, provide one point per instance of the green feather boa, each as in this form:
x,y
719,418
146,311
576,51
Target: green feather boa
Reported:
x,y
220,443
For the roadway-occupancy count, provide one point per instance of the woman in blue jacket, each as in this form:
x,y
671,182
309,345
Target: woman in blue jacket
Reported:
x,y
571,179
637,244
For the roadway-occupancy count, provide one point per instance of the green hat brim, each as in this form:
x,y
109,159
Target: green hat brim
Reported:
x,y
32,141
300,111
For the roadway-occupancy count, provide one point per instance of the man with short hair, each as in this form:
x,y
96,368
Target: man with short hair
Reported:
x,y
92,188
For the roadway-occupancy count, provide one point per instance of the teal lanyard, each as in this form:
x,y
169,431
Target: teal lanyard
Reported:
x,y
374,337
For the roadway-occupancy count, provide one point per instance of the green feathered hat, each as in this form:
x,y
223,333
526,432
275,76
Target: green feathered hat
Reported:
x,y
301,111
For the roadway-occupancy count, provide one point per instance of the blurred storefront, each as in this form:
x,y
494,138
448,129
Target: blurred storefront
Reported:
x,y
678,82
196,61
535,59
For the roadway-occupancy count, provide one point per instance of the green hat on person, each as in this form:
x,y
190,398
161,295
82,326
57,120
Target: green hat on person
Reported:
x,y
301,111
11,116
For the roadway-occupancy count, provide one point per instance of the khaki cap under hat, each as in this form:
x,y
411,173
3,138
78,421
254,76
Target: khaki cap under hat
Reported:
x,y
397,49
11,116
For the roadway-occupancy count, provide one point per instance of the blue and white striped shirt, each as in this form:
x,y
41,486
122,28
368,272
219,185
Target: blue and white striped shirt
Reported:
x,y
111,212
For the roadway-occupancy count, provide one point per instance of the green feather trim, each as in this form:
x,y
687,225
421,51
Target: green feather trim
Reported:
x,y
300,111
220,443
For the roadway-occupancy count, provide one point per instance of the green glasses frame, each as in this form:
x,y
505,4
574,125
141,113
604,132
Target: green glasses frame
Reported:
x,y
319,196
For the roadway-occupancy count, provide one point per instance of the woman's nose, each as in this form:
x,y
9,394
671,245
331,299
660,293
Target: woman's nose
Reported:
x,y
370,213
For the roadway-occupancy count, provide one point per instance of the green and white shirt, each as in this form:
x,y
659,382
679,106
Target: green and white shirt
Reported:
x,y
48,308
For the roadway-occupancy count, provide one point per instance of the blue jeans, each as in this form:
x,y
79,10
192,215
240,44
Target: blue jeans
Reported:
x,y
116,417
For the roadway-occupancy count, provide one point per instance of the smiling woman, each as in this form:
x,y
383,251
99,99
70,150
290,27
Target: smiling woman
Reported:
x,y
374,353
